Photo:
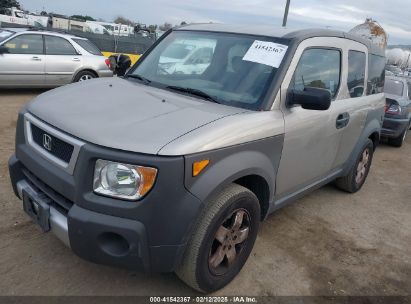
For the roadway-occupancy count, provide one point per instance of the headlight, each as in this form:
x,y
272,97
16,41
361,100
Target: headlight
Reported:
x,y
123,181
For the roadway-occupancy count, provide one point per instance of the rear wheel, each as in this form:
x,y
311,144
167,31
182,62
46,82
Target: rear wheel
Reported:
x,y
222,240
84,76
356,177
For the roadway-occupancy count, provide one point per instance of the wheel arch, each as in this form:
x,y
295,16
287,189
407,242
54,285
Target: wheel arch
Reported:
x,y
253,166
375,138
84,70
372,132
259,186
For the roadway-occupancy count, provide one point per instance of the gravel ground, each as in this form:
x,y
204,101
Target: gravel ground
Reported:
x,y
328,243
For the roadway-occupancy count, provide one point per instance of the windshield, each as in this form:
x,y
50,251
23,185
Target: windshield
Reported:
x,y
230,69
5,34
393,87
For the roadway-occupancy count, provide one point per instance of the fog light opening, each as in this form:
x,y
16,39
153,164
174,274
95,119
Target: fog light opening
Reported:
x,y
113,244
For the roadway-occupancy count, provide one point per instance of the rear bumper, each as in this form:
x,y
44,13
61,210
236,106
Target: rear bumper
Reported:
x,y
105,73
393,128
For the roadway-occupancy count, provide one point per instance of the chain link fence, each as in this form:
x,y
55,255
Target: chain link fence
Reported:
x,y
133,44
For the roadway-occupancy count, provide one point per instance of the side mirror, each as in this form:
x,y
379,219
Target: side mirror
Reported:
x,y
3,50
310,99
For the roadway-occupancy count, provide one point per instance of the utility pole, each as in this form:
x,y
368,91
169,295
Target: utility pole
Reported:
x,y
287,8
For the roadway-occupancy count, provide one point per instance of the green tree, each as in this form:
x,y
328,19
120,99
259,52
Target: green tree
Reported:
x,y
84,18
122,20
152,28
9,4
166,26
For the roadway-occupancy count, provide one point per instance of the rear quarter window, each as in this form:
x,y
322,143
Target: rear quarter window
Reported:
x,y
394,87
376,74
88,46
356,73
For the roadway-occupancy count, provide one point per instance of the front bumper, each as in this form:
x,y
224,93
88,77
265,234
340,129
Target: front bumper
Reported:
x,y
148,235
58,221
93,236
393,127
102,238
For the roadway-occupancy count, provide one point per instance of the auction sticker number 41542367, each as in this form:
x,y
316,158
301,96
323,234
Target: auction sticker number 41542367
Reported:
x,y
268,53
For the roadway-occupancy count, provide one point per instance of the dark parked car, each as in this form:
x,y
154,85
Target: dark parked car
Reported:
x,y
397,119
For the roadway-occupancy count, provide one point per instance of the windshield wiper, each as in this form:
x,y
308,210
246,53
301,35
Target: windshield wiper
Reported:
x,y
139,77
195,92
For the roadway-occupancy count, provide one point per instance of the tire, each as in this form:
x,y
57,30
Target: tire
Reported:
x,y
357,175
397,142
84,75
201,267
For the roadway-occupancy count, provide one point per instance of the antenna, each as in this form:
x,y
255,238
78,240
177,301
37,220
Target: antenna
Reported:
x,y
287,8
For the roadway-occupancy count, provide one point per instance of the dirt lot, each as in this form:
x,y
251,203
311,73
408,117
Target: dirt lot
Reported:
x,y
328,243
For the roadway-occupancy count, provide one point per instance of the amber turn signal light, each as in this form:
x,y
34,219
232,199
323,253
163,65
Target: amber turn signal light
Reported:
x,y
199,166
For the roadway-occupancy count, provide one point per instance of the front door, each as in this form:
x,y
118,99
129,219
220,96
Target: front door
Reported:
x,y
312,138
24,64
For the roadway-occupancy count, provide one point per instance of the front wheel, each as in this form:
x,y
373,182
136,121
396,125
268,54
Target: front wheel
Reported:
x,y
222,240
356,177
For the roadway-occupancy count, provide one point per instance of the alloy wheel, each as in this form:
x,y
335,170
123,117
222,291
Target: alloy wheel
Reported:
x,y
362,166
85,77
229,241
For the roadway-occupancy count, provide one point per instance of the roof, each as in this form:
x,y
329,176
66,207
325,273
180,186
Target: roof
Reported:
x,y
403,79
270,31
41,31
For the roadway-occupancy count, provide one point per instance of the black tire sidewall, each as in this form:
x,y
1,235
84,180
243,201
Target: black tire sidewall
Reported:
x,y
206,280
369,145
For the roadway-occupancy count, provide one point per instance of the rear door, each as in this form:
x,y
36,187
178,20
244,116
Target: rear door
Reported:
x,y
62,60
361,97
24,64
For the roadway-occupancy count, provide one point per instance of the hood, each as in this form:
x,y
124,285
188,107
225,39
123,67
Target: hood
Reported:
x,y
125,115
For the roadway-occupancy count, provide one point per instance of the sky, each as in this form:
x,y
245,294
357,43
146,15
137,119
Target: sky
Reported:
x,y
393,15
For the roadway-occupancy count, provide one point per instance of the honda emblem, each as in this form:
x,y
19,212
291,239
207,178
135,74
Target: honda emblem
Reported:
x,y
47,142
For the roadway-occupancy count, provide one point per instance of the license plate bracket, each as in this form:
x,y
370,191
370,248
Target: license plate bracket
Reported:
x,y
38,208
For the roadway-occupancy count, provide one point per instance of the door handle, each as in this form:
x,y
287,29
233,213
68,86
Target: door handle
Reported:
x,y
35,58
342,120
76,59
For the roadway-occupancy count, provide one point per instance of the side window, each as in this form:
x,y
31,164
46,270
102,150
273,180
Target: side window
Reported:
x,y
58,46
409,90
376,74
356,73
318,68
25,44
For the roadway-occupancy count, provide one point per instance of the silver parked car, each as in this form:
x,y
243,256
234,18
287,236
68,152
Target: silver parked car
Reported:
x,y
34,58
174,170
397,119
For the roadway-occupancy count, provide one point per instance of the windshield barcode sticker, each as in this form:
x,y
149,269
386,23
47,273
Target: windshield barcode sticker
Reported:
x,y
268,53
